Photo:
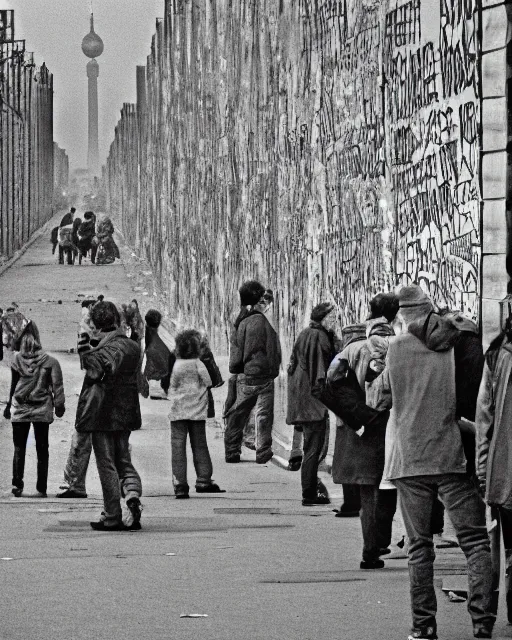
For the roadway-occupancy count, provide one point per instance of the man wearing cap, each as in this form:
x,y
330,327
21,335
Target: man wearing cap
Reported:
x,y
255,356
312,353
427,459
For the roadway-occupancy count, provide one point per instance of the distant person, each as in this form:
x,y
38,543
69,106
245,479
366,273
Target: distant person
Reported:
x,y
67,247
188,391
68,218
312,354
107,249
159,359
255,356
108,408
36,392
86,233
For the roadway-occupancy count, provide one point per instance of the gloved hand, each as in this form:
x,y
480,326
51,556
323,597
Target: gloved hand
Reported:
x,y
7,411
60,411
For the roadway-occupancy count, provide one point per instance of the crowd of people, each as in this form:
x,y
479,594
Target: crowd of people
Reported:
x,y
422,420
77,239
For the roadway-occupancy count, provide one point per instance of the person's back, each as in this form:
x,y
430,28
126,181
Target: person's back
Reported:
x,y
422,421
189,390
427,461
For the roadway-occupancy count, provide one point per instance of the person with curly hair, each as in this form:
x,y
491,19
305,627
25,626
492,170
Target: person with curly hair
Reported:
x,y
188,392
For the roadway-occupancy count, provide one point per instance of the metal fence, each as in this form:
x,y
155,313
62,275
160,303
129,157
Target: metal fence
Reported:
x,y
26,141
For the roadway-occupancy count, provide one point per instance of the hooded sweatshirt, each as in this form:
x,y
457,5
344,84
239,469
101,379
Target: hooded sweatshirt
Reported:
x,y
38,389
423,422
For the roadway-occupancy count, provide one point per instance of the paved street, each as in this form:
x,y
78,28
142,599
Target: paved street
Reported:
x,y
255,561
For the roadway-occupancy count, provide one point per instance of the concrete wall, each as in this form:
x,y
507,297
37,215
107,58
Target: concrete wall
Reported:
x,y
330,148
26,141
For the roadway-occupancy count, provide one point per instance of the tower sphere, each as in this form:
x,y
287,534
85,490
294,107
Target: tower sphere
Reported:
x,y
92,44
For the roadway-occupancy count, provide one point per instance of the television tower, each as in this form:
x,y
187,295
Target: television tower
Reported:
x,y
92,46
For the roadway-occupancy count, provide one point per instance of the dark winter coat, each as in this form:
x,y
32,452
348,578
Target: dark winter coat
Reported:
x,y
109,400
357,459
312,353
255,349
159,359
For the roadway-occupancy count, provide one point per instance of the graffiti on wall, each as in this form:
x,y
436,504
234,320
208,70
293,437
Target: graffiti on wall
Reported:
x,y
432,109
326,147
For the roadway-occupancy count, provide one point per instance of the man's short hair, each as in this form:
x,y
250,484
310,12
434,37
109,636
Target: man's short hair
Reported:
x,y
384,305
73,209
105,316
251,292
153,318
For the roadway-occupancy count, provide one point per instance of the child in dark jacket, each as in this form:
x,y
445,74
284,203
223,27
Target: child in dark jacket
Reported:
x,y
189,408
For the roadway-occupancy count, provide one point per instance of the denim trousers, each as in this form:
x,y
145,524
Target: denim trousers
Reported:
x,y
20,431
77,463
117,474
260,397
467,513
314,440
196,429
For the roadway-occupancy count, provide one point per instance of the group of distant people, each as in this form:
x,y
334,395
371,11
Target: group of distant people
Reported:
x,y
77,239
422,420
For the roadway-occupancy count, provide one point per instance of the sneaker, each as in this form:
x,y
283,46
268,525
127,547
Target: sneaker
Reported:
x,y
482,631
294,464
265,457
427,634
100,526
70,493
209,488
181,491
16,492
135,508
371,564
233,459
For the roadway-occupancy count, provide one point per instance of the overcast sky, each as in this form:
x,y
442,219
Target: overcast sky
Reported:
x,y
54,30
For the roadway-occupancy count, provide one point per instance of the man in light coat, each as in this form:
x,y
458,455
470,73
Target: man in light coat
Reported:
x,y
427,459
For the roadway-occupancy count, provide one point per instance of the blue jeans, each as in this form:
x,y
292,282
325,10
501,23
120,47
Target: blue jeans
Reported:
x,y
116,471
260,397
200,454
467,513
77,463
